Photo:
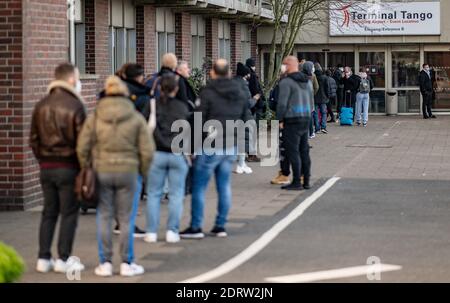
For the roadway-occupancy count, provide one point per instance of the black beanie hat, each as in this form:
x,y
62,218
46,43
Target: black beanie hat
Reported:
x,y
242,70
250,62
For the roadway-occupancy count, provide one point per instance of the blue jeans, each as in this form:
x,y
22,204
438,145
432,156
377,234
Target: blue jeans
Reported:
x,y
362,106
323,112
311,124
174,168
204,167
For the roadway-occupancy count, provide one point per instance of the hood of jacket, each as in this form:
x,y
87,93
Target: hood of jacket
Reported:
x,y
226,88
136,87
308,67
165,70
115,109
65,86
299,77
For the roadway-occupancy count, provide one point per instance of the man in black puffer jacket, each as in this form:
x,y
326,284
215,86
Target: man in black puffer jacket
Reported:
x,y
321,99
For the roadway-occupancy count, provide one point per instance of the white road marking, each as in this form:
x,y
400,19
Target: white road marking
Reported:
x,y
264,240
335,274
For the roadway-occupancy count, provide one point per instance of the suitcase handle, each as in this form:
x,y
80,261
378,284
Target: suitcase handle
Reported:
x,y
348,93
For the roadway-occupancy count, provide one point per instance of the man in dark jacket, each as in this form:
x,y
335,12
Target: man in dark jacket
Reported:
x,y
338,76
133,76
426,89
321,99
55,125
221,100
293,113
332,88
184,72
169,64
351,87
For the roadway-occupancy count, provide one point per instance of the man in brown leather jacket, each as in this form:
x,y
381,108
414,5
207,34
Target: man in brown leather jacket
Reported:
x,y
56,122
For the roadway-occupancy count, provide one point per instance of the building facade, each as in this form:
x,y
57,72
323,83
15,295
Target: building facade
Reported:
x,y
389,39
99,36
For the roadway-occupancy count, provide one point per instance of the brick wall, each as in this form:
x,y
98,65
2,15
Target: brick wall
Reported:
x,y
212,38
183,36
36,50
89,21
102,64
11,80
235,43
254,50
149,39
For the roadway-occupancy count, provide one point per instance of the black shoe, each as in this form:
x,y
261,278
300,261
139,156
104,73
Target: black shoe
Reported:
x,y
253,158
219,232
192,233
138,233
292,186
324,130
425,117
306,184
433,117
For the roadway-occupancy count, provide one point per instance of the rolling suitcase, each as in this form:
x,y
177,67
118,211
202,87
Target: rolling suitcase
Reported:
x,y
346,116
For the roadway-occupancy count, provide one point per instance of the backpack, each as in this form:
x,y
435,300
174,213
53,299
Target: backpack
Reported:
x,y
364,86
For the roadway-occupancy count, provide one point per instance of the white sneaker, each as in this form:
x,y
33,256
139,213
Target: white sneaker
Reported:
x,y
151,237
239,170
247,169
104,270
44,265
312,136
72,264
172,237
130,270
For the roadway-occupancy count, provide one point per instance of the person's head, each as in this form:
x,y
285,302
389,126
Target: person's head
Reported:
x,y
348,71
308,68
426,67
69,73
169,86
220,69
242,71
183,69
291,63
363,73
340,67
134,72
328,73
121,71
318,67
169,61
250,63
114,86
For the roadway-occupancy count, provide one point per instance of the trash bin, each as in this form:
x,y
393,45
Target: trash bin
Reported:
x,y
391,102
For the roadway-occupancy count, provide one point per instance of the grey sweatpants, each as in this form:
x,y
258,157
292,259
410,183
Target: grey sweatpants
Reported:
x,y
116,191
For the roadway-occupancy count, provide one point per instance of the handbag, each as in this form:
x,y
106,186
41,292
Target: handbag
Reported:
x,y
86,181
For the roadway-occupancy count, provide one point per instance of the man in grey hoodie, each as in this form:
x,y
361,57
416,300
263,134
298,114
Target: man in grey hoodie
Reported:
x,y
293,112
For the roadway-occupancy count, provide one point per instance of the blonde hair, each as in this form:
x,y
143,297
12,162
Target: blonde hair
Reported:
x,y
169,60
115,87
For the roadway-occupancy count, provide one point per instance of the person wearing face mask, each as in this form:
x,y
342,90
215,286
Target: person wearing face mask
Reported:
x,y
362,99
56,123
426,89
351,86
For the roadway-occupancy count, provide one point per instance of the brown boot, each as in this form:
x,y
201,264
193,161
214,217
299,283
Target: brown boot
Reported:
x,y
253,158
280,179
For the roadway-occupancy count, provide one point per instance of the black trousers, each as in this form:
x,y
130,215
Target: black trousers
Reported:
x,y
285,166
297,148
340,100
426,106
333,100
59,201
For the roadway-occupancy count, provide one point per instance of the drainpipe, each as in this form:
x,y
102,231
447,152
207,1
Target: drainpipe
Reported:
x,y
71,6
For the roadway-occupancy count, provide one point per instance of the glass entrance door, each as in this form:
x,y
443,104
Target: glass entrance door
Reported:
x,y
440,64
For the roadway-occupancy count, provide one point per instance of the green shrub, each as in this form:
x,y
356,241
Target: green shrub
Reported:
x,y
12,265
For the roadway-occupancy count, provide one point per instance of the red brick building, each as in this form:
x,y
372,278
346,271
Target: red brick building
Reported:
x,y
37,35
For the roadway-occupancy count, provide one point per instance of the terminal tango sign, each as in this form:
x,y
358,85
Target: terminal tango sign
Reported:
x,y
358,18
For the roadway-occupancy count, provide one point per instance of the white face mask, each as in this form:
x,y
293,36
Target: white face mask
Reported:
x,y
254,68
363,75
283,68
78,87
341,69
313,70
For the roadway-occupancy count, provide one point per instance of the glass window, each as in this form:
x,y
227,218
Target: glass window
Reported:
x,y
405,69
377,101
198,47
408,101
373,63
224,39
245,42
440,64
344,58
311,56
165,31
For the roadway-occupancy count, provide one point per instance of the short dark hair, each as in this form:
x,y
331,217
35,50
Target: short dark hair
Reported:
x,y
169,82
221,70
328,73
64,71
425,64
133,70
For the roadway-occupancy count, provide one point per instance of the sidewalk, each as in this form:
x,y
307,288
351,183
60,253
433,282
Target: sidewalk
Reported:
x,y
389,148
